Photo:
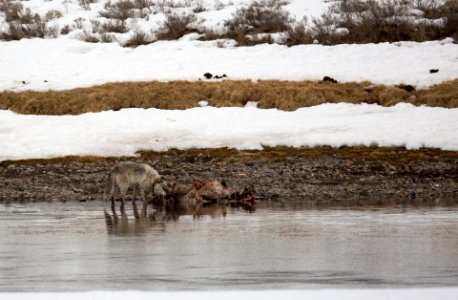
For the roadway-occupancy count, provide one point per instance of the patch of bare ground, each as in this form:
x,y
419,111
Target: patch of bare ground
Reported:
x,y
323,176
285,95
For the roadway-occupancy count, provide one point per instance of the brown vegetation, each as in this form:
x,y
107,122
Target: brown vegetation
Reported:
x,y
263,16
120,10
138,38
285,95
375,21
346,21
86,4
253,24
393,155
175,26
23,23
114,25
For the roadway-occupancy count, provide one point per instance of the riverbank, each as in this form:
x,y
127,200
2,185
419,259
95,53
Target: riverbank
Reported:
x,y
348,176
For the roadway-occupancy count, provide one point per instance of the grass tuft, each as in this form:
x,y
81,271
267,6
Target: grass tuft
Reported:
x,y
285,95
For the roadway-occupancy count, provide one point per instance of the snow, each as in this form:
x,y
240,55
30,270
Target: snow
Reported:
x,y
343,294
214,14
309,8
67,62
59,64
126,131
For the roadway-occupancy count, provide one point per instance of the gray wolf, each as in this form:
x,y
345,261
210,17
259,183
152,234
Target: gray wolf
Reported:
x,y
124,175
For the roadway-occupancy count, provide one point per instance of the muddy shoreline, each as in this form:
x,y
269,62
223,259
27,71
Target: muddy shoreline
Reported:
x,y
310,176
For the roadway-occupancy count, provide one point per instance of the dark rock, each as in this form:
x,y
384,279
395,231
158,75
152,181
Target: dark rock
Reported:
x,y
432,71
220,76
208,76
329,79
408,88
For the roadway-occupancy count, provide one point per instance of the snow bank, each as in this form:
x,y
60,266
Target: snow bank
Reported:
x,y
66,62
213,16
129,130
373,294
38,64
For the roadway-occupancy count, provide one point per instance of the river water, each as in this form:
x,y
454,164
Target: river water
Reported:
x,y
84,246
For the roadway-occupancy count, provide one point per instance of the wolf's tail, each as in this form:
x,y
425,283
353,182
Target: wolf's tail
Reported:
x,y
108,187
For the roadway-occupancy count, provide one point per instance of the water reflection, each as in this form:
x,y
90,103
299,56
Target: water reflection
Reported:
x,y
122,225
79,247
142,222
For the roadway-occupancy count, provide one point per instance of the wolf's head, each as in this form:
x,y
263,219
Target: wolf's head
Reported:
x,y
161,188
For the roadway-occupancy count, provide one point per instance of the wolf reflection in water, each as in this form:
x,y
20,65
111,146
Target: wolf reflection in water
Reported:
x,y
156,221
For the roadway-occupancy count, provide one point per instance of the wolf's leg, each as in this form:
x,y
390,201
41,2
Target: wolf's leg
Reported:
x,y
112,196
145,202
112,203
144,209
134,193
115,216
137,216
123,191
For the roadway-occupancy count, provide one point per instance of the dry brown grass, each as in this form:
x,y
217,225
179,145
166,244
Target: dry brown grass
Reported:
x,y
392,155
443,95
57,160
285,95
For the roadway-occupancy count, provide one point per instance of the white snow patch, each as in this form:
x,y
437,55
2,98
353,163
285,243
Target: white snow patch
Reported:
x,y
251,104
64,63
129,130
203,103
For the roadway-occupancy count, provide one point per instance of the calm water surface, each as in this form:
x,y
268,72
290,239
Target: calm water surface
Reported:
x,y
79,247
